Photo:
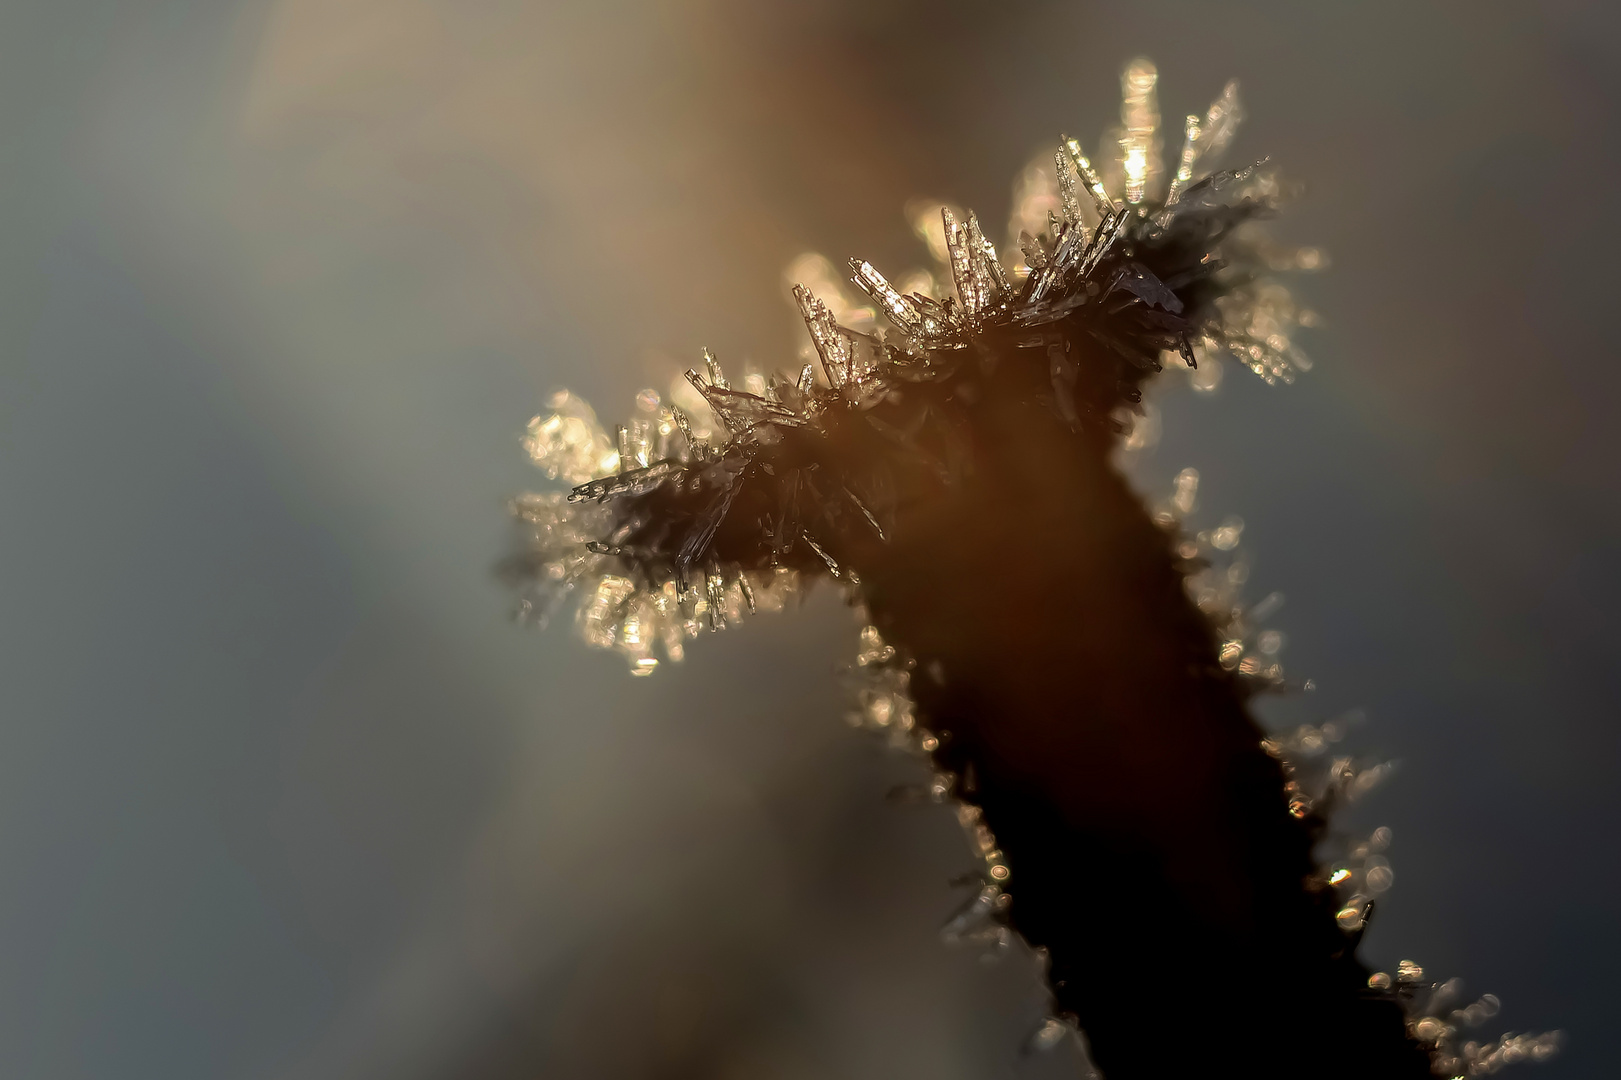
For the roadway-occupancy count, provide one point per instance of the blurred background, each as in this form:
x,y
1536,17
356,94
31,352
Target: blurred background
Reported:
x,y
284,793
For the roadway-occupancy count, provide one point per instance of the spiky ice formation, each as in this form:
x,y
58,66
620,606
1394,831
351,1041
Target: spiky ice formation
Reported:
x,y
1032,634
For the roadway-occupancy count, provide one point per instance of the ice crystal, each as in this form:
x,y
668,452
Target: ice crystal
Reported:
x,y
1178,276
1319,777
1139,141
722,500
1439,1020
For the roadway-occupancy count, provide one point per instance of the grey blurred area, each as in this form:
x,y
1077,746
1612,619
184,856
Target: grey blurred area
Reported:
x,y
284,793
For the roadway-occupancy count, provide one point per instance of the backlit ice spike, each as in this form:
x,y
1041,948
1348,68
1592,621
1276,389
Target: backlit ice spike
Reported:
x,y
634,482
990,279
741,411
716,376
1066,189
1089,177
622,437
715,593
867,356
832,343
1220,125
1139,139
899,310
701,386
643,442
1108,232
1206,139
978,274
1035,255
962,272
1073,246
697,448
1190,157
832,564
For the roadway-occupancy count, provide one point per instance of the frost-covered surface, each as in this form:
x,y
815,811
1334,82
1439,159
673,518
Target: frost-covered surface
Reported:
x,y
688,519
666,532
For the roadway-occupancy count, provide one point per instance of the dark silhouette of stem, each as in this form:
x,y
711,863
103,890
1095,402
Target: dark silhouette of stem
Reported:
x,y
1081,702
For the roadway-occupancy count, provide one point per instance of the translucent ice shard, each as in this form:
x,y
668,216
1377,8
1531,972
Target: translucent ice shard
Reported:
x,y
1220,125
976,271
1139,138
717,377
989,276
1190,157
898,309
634,482
1066,189
831,342
1107,234
1089,177
1035,252
962,274
740,411
1206,139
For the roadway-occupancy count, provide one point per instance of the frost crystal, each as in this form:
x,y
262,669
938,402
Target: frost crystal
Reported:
x,y
666,534
1179,275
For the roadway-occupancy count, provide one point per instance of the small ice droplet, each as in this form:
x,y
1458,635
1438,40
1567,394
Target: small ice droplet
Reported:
x,y
1047,1035
1186,493
974,913
1266,607
1227,535
1428,1030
